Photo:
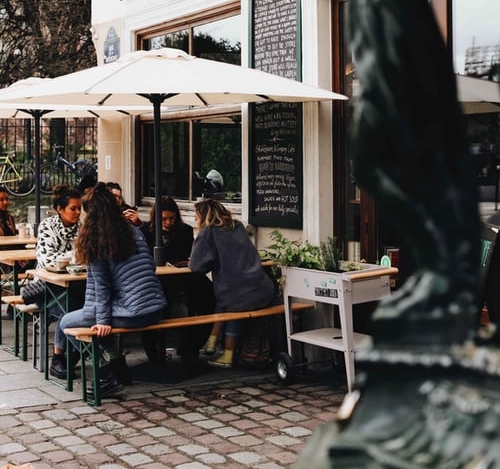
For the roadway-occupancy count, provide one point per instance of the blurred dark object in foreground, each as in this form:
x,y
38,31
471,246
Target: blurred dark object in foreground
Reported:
x,y
429,390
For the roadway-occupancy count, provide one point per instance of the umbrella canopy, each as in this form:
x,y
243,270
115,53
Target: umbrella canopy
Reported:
x,y
478,96
168,77
50,111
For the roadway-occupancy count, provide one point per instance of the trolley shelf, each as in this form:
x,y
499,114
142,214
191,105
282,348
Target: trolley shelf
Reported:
x,y
328,337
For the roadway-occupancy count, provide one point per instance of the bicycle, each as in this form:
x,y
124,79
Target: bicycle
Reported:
x,y
18,178
61,171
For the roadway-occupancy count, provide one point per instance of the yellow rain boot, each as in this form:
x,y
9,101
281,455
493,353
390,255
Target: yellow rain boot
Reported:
x,y
224,361
209,347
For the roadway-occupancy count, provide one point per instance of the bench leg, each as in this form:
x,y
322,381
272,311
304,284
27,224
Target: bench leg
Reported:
x,y
17,317
24,336
92,350
36,340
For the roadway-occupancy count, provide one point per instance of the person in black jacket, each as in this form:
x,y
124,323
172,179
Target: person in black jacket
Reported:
x,y
192,290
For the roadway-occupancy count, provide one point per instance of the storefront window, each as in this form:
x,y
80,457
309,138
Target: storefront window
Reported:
x,y
195,142
216,145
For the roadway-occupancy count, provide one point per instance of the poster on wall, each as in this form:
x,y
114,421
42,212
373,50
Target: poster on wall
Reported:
x,y
275,143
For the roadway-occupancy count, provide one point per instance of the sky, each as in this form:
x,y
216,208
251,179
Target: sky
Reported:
x,y
474,21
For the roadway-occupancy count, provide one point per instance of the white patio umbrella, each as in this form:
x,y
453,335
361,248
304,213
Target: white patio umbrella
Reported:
x,y
168,77
478,96
38,111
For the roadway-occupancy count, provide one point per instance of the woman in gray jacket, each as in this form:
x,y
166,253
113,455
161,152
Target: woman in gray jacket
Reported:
x,y
224,248
122,287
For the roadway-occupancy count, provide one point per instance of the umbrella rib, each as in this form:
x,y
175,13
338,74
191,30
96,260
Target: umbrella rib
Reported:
x,y
201,99
103,100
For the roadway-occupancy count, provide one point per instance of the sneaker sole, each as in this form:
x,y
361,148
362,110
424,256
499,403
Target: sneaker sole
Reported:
x,y
110,392
220,365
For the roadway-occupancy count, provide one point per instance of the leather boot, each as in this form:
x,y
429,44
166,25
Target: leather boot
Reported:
x,y
108,383
121,370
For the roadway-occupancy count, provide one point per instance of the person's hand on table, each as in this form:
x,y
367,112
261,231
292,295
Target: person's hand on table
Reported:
x,y
102,329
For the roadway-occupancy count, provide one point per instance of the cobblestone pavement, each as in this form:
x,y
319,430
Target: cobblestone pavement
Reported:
x,y
223,419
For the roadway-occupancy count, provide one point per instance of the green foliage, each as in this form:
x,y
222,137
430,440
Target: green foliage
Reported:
x,y
330,254
294,253
326,256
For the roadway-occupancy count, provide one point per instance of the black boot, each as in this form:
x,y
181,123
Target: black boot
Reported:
x,y
121,370
108,383
58,365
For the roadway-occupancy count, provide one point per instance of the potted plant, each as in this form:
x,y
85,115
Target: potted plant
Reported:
x,y
297,253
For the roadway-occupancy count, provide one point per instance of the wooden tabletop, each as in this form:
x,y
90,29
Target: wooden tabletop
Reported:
x,y
10,257
14,240
62,279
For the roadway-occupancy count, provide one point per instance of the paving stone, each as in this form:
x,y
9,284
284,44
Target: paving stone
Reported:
x,y
297,431
136,459
159,431
209,424
211,458
192,417
193,449
157,449
283,440
226,432
246,457
10,448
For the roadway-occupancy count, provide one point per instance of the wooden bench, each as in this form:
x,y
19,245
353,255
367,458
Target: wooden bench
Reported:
x,y
89,344
21,315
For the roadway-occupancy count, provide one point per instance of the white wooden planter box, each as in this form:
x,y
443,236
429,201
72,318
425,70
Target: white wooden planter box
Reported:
x,y
343,289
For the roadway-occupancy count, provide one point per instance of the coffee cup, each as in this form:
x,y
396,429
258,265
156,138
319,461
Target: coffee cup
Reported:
x,y
61,263
23,231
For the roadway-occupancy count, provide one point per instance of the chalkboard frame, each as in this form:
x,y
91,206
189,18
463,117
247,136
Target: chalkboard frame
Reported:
x,y
269,220
265,220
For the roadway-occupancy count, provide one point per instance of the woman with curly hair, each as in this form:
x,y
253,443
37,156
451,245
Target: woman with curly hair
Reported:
x,y
122,287
224,248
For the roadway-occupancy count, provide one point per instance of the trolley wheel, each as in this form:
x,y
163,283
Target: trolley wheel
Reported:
x,y
283,366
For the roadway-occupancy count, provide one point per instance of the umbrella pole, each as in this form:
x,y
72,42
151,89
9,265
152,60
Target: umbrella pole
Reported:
x,y
159,250
37,115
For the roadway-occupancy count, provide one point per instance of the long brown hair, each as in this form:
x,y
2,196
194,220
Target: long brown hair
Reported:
x,y
213,213
167,204
105,233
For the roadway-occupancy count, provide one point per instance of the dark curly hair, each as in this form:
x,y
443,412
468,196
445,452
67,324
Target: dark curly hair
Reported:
x,y
61,194
105,234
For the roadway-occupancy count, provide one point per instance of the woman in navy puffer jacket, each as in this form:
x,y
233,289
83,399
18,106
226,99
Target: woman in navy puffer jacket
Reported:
x,y
122,287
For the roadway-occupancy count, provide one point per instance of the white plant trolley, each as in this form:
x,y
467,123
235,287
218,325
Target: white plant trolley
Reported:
x,y
344,289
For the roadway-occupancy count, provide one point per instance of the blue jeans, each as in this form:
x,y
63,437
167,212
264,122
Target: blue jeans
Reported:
x,y
78,319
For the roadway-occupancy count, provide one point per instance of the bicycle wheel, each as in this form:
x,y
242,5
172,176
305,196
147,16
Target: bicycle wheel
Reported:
x,y
19,179
50,176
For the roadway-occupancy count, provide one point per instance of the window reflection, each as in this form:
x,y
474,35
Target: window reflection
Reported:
x,y
219,40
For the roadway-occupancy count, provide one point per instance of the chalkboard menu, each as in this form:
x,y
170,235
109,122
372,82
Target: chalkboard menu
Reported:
x,y
275,164
275,37
276,167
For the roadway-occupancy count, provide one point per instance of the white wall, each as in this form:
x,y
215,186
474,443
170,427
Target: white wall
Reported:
x,y
129,16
